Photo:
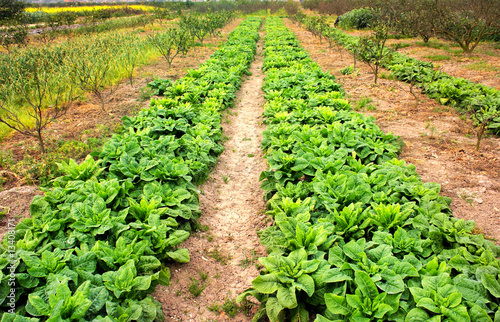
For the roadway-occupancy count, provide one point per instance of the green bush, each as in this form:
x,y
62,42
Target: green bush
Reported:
x,y
358,19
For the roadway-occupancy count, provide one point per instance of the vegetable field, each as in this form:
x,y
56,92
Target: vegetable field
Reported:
x,y
271,181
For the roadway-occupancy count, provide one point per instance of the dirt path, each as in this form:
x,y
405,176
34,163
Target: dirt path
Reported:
x,y
439,141
224,252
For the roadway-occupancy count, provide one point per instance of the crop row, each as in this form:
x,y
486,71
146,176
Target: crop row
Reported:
x,y
480,100
357,235
96,243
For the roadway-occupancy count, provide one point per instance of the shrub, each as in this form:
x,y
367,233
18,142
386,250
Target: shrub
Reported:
x,y
358,19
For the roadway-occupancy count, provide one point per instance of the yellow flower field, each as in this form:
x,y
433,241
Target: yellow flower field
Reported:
x,y
88,8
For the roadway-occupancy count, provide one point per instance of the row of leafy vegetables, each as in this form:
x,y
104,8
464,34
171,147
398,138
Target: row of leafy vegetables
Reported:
x,y
96,243
357,235
482,101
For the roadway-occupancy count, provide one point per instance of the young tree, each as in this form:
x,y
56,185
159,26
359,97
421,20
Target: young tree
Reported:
x,y
486,116
372,49
30,98
170,43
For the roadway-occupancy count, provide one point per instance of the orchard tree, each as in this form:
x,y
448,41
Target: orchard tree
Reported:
x,y
466,22
10,9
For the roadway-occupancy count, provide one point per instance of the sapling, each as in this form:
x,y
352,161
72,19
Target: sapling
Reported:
x,y
171,43
91,73
373,51
42,98
485,114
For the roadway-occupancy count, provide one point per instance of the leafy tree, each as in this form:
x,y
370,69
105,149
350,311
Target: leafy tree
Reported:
x,y
10,9
30,99
373,51
466,22
170,43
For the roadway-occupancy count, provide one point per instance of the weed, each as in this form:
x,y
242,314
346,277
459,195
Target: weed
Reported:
x,y
225,178
466,195
199,227
362,103
251,155
246,307
246,139
214,307
225,138
481,66
433,44
210,238
248,261
219,256
178,293
400,46
230,307
4,211
196,287
348,70
387,75
145,93
203,275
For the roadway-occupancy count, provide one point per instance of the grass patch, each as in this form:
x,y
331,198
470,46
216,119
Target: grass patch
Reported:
x,y
438,57
482,66
433,44
400,45
364,103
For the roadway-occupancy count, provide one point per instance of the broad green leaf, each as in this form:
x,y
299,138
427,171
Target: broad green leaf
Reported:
x,y
417,315
456,314
266,284
478,314
180,255
429,304
273,309
491,284
286,297
306,283
337,304
365,284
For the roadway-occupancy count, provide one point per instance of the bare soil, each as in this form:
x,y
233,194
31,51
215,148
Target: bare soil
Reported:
x,y
232,207
86,118
439,141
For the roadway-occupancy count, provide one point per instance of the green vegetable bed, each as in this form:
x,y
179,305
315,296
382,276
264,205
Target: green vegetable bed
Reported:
x,y
357,235
97,242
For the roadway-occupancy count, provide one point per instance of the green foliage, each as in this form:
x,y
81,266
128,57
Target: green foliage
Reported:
x,y
358,19
96,240
348,70
373,51
357,236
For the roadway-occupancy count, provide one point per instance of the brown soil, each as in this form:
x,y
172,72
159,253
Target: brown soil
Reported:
x,y
438,140
232,210
86,118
